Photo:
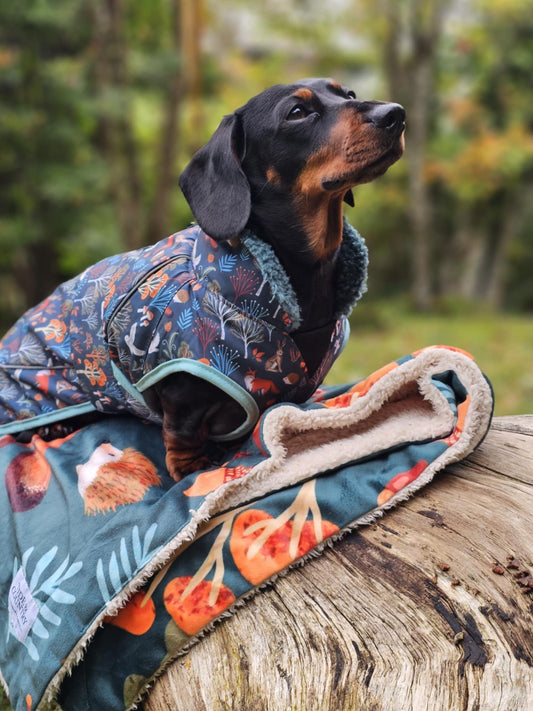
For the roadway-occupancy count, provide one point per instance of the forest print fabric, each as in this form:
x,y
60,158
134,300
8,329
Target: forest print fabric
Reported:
x,y
110,569
222,311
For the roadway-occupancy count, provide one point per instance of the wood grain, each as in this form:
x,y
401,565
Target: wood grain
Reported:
x,y
428,608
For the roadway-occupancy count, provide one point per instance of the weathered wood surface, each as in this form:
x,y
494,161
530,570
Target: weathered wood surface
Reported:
x,y
427,609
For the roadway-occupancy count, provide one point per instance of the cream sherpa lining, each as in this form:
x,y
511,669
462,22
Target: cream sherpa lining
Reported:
x,y
403,406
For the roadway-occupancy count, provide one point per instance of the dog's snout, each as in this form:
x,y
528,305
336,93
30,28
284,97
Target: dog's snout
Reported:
x,y
390,117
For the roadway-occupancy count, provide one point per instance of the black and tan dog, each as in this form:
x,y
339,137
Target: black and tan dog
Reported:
x,y
279,168
283,165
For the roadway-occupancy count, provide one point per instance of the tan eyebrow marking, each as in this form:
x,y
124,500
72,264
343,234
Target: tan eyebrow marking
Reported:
x,y
273,176
305,94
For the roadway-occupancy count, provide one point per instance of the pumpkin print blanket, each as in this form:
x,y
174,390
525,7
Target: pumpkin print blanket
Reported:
x,y
110,569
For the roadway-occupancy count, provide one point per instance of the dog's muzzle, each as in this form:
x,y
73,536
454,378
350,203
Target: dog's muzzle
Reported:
x,y
388,117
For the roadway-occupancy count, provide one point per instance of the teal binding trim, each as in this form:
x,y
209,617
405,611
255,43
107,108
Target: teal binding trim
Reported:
x,y
46,418
126,385
207,372
346,334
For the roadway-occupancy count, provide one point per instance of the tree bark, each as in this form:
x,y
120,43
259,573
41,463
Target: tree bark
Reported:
x,y
427,608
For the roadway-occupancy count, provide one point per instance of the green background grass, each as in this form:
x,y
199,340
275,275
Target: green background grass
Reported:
x,y
501,344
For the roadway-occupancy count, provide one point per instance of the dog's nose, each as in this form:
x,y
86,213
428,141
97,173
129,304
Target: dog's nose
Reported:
x,y
390,117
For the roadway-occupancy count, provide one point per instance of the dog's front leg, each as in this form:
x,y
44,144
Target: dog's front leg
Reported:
x,y
193,411
183,456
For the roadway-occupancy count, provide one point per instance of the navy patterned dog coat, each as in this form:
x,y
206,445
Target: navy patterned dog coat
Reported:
x,y
224,312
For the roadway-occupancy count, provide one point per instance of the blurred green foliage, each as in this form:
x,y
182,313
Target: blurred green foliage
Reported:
x,y
84,98
103,103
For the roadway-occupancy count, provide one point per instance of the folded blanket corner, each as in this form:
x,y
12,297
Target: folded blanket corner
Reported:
x,y
106,558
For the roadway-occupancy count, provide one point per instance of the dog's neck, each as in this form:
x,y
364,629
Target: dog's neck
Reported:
x,y
307,249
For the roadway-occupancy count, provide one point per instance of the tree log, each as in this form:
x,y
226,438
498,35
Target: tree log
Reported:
x,y
431,607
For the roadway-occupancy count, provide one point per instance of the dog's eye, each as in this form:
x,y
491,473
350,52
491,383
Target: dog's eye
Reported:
x,y
297,112
351,94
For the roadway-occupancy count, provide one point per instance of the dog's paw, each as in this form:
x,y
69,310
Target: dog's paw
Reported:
x,y
181,462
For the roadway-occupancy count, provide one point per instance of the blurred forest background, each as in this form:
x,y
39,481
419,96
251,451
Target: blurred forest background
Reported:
x,y
102,103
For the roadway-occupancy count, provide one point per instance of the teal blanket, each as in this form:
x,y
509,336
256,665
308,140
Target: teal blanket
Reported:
x,y
110,569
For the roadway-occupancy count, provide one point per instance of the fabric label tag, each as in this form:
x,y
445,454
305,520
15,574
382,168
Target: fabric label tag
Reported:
x,y
23,609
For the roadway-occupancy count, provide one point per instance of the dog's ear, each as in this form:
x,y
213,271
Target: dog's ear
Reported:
x,y
215,185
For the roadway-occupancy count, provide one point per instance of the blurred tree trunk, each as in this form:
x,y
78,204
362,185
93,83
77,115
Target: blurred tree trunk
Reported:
x,y
491,284
193,20
109,56
410,51
459,255
158,222
468,259
473,262
40,258
141,222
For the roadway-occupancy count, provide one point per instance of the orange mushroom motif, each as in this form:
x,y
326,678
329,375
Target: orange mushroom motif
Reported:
x,y
462,411
137,616
400,481
192,605
359,389
28,473
262,545
210,480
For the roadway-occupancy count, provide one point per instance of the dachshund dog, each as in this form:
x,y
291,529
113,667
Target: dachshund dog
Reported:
x,y
267,192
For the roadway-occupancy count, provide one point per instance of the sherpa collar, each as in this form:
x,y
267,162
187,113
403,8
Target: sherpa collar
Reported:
x,y
350,273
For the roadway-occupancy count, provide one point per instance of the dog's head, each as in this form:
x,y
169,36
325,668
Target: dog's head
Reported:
x,y
309,141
